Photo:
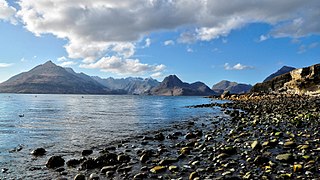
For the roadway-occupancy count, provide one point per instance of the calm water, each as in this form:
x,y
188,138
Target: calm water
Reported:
x,y
62,123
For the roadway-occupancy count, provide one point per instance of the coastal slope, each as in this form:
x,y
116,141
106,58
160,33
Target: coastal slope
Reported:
x,y
303,81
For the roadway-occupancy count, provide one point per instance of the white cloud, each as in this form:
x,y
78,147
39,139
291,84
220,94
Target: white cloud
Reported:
x,y
303,48
122,66
147,43
157,75
7,13
263,38
190,50
238,66
62,59
5,65
169,43
67,63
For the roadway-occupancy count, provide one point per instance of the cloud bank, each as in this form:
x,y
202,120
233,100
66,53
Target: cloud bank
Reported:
x,y
7,13
238,66
105,30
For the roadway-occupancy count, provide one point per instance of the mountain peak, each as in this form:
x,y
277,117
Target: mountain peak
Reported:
x,y
49,63
283,70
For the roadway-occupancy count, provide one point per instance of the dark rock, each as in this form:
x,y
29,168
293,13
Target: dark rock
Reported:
x,y
167,161
55,161
159,137
89,164
190,136
285,157
94,176
108,168
123,158
124,169
79,177
39,152
73,162
86,152
140,176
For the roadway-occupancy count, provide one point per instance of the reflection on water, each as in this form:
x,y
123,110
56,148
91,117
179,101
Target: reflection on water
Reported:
x,y
65,122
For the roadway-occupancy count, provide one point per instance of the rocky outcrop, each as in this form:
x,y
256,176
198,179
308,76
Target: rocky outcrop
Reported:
x,y
283,70
304,81
173,86
232,87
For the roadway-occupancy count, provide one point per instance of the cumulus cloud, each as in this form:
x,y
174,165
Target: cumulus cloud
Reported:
x,y
238,66
263,38
5,65
122,66
169,43
7,13
98,29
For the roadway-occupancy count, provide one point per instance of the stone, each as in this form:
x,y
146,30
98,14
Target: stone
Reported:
x,y
173,168
73,162
55,161
229,150
158,169
89,164
110,173
124,169
193,175
39,152
159,137
123,158
289,144
255,145
190,136
167,161
107,168
86,152
284,157
140,176
94,176
79,177
144,158
297,168
185,150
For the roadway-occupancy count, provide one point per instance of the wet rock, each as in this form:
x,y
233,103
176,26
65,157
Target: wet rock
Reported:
x,y
140,176
190,136
55,161
4,170
124,169
94,176
110,173
108,168
255,145
193,175
173,168
73,162
158,169
39,152
79,177
284,157
229,150
159,137
86,152
144,158
260,160
297,168
60,169
290,144
167,161
123,158
89,164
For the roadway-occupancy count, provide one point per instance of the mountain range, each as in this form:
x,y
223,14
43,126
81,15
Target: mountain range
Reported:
x,y
49,78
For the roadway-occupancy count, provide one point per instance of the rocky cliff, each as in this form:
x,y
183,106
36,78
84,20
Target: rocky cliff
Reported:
x,y
304,81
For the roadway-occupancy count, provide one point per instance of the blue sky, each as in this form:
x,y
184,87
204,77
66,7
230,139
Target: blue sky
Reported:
x,y
199,40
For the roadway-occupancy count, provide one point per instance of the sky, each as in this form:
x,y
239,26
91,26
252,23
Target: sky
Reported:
x,y
198,40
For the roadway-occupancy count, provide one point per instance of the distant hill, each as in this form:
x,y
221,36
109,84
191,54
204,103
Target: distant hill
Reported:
x,y
130,85
49,78
232,87
283,70
173,86
304,81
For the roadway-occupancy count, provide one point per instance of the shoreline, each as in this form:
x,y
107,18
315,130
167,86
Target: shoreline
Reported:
x,y
272,138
